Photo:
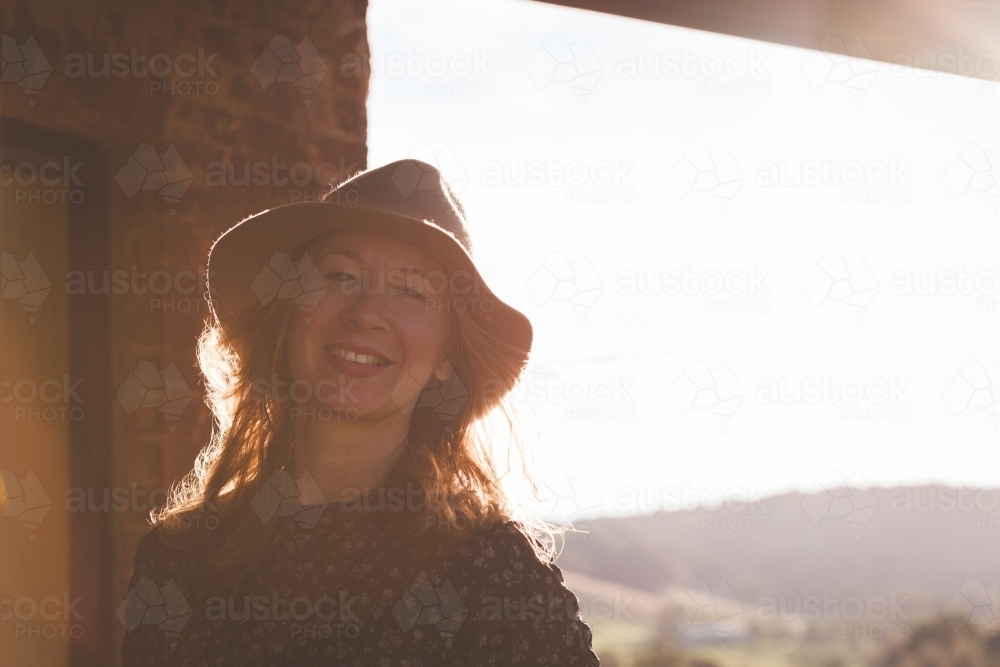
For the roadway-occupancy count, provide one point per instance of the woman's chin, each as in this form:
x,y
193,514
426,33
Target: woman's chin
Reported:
x,y
356,406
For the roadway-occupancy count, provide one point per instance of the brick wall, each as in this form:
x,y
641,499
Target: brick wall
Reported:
x,y
199,86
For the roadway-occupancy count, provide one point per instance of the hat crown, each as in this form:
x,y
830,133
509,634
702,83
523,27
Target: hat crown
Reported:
x,y
408,187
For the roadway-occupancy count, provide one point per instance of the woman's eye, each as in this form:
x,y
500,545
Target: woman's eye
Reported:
x,y
408,291
338,275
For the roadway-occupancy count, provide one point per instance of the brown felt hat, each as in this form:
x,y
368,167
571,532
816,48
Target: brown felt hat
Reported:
x,y
255,261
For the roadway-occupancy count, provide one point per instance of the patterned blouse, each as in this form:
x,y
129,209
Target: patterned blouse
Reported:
x,y
335,588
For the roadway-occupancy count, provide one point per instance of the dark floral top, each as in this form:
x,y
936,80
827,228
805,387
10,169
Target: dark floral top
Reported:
x,y
336,588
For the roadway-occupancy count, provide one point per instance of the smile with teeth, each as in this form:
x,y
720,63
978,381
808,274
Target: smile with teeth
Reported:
x,y
369,359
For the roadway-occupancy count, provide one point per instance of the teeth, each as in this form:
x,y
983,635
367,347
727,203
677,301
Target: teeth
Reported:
x,y
369,359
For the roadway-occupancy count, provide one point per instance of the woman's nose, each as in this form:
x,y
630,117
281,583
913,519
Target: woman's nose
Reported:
x,y
366,308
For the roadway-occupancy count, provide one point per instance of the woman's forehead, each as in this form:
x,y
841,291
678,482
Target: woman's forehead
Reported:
x,y
374,246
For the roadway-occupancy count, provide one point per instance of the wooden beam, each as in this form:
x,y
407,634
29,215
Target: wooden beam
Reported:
x,y
953,36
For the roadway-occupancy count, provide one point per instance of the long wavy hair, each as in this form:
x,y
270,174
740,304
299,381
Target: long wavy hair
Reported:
x,y
455,461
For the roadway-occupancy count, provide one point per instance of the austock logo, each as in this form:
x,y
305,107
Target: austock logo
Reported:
x,y
572,497
594,181
602,397
974,604
871,399
39,617
146,387
734,74
974,171
446,396
409,177
700,387
281,496
718,291
48,182
305,182
195,71
312,616
285,278
284,62
869,182
426,604
673,498
980,285
25,65
456,74
24,282
850,282
837,63
560,62
835,496
148,169
49,399
873,617
24,499
711,172
974,387
562,279
700,612
149,604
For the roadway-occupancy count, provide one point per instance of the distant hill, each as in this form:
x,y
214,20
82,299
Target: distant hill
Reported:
x,y
919,544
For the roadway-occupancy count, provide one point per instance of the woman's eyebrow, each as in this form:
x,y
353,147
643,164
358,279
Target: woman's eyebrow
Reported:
x,y
409,268
347,253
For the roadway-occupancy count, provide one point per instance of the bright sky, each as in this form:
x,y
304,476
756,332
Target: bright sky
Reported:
x,y
802,216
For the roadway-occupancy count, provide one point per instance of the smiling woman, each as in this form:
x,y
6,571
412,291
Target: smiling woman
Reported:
x,y
348,510
375,338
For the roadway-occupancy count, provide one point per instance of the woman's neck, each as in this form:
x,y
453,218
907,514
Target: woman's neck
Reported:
x,y
342,460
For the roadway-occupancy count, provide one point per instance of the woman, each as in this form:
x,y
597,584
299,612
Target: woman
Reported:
x,y
349,509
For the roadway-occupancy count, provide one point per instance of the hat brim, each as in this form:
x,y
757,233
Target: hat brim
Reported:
x,y
240,254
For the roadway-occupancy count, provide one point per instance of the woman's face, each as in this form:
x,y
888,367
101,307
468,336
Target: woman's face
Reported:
x,y
377,304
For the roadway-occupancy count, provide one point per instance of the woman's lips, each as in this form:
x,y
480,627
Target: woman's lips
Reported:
x,y
353,368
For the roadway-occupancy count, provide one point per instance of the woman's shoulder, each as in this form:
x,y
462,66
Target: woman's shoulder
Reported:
x,y
158,558
518,608
503,532
150,545
506,550
149,553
